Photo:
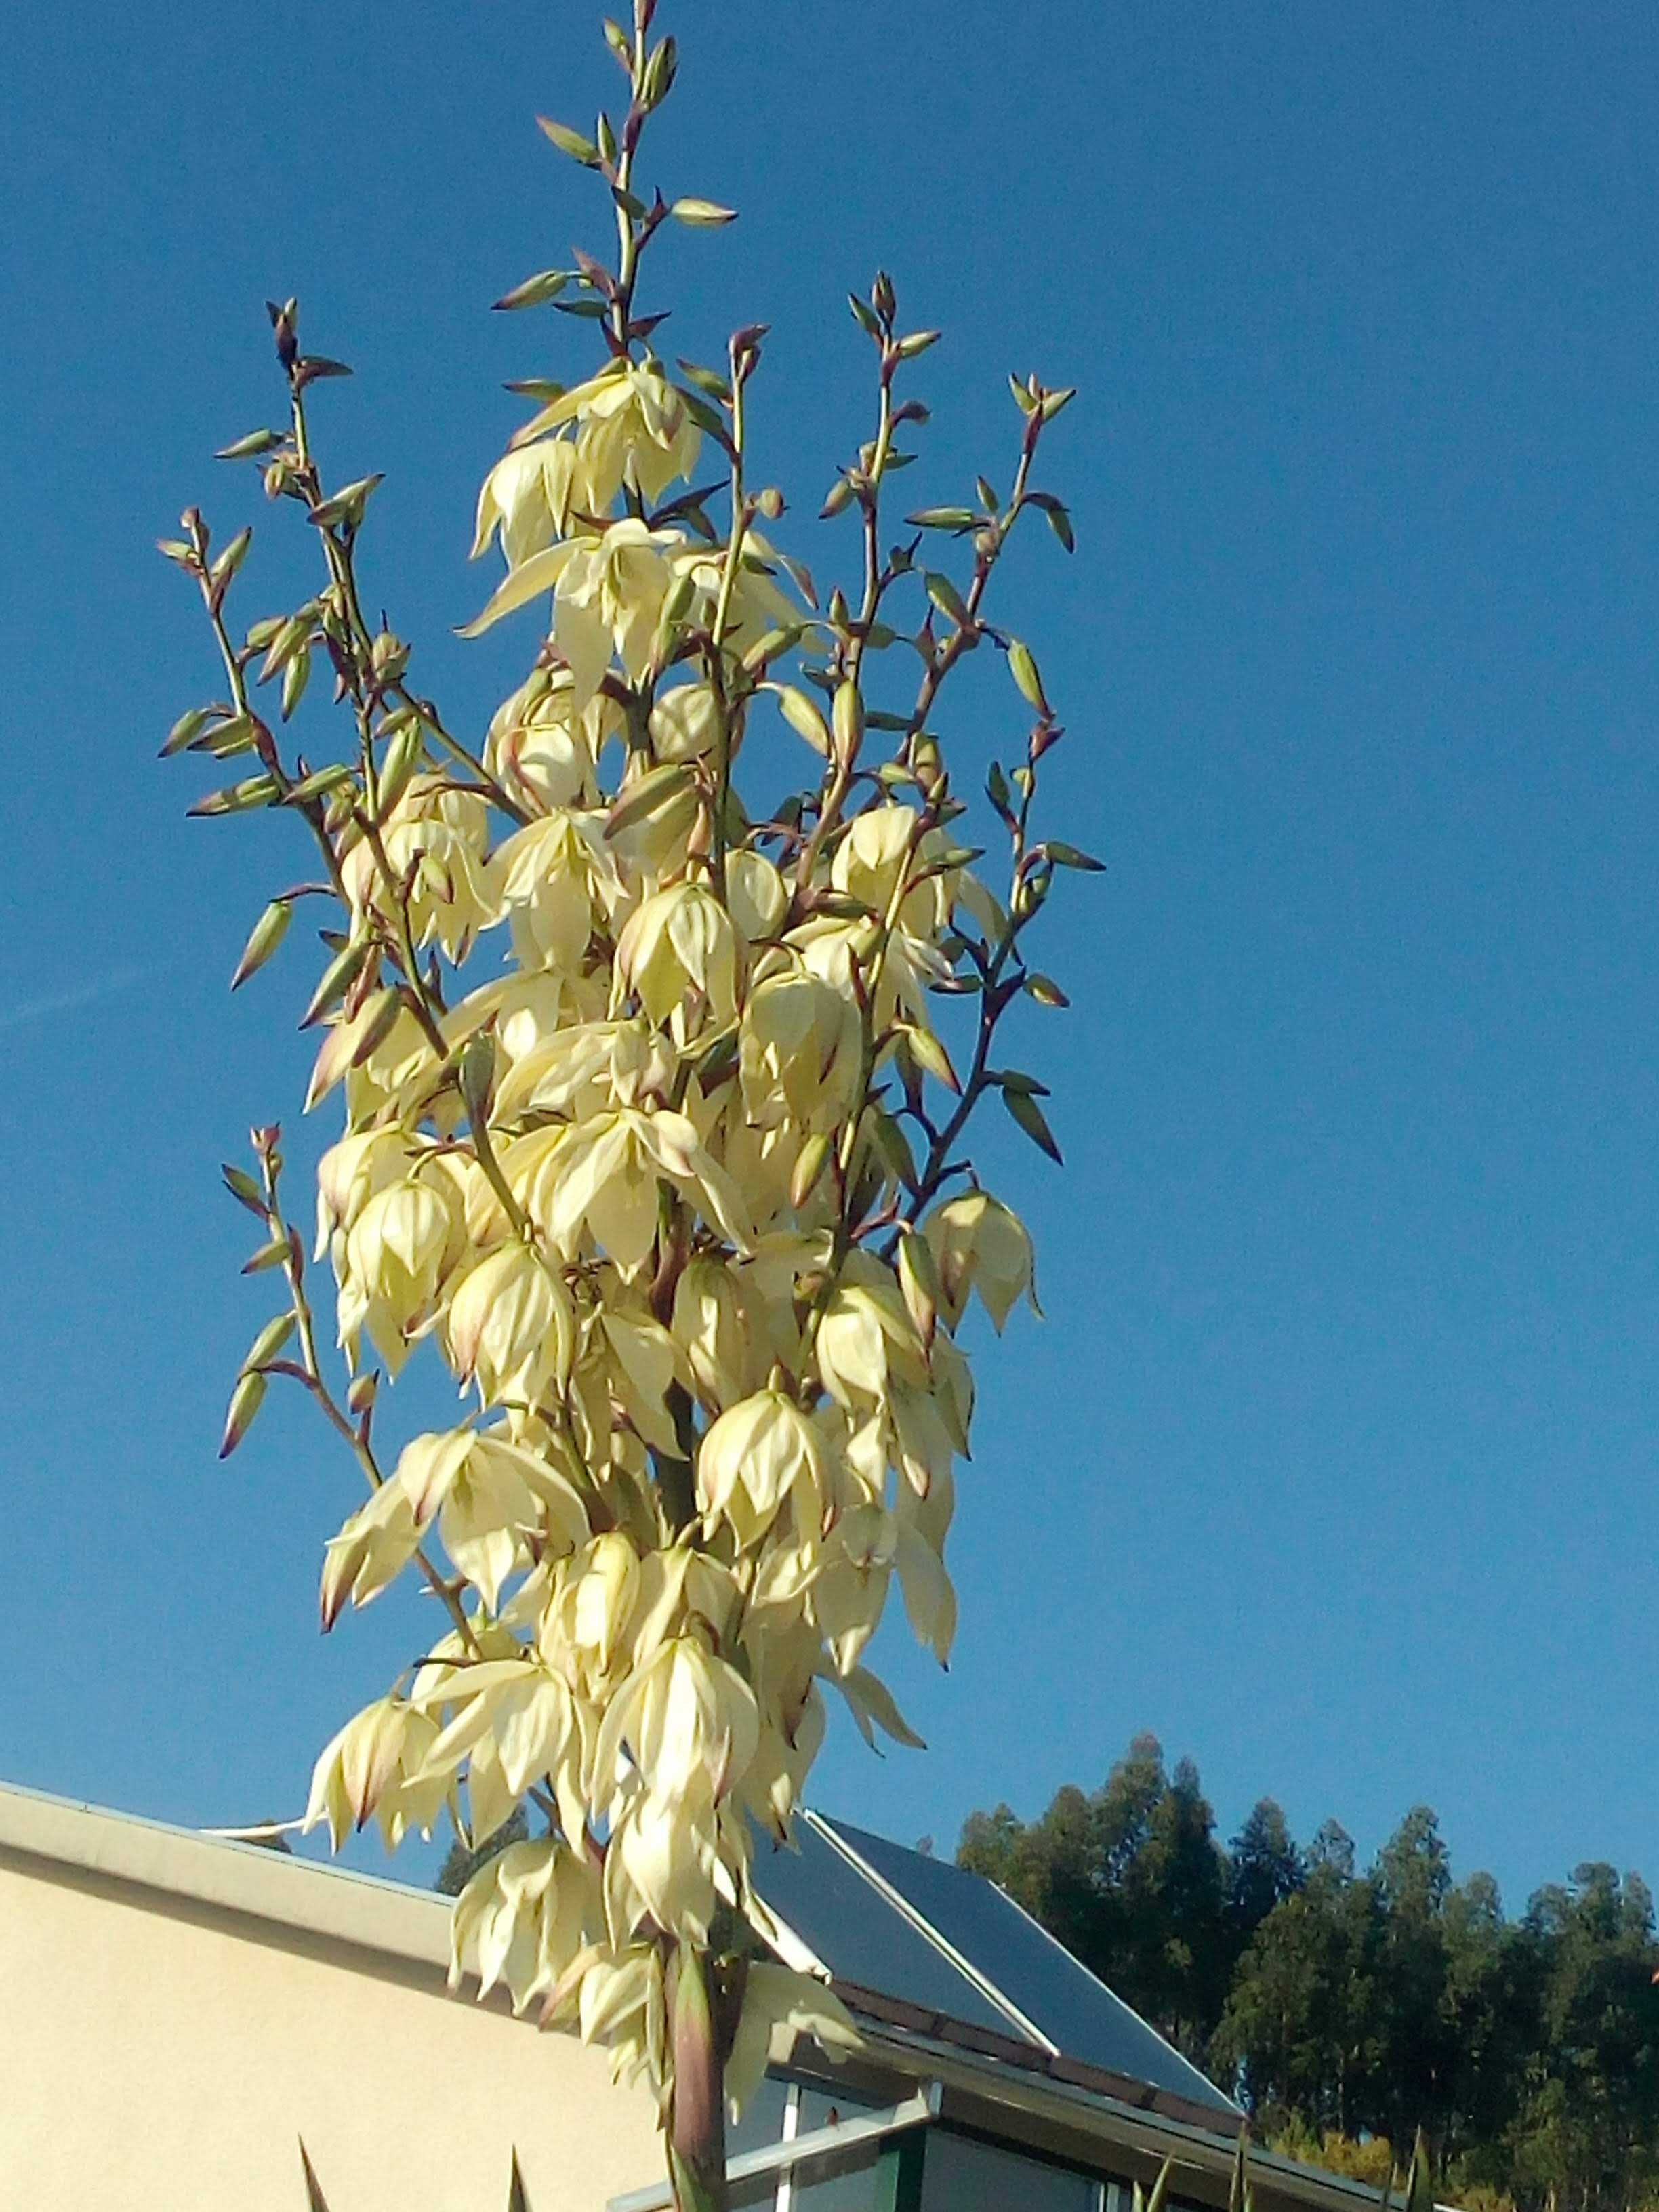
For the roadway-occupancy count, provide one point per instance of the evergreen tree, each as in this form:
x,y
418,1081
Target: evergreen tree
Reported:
x,y
1349,2009
1264,1868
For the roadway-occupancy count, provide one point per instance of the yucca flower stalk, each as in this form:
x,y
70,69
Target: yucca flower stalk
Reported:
x,y
650,1132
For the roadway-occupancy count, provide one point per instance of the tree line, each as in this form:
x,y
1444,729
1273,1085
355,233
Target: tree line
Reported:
x,y
1349,2007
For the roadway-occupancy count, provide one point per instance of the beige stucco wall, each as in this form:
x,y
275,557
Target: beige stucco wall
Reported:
x,y
163,2051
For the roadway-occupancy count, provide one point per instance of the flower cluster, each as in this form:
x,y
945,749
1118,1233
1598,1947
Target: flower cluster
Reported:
x,y
652,1135
675,1260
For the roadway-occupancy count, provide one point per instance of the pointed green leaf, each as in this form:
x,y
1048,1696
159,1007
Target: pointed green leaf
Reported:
x,y
703,215
1022,666
1068,856
243,1188
188,727
535,291
237,798
266,935
337,979
243,449
570,142
269,1341
318,783
1030,1116
246,1400
942,518
657,788
945,597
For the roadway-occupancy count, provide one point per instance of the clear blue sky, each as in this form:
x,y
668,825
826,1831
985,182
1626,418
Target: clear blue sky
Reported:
x,y
1333,1463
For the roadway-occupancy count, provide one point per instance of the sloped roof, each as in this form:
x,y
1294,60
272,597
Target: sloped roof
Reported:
x,y
897,1924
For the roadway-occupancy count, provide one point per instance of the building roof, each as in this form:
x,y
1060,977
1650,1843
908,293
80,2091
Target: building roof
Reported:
x,y
911,1941
1012,2038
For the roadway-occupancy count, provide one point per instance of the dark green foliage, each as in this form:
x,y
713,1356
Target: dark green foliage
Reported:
x,y
1366,2003
462,1862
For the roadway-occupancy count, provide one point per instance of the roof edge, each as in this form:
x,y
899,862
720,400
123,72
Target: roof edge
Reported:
x,y
329,1904
1155,2123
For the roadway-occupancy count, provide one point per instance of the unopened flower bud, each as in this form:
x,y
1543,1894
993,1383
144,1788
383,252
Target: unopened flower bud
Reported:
x,y
246,1400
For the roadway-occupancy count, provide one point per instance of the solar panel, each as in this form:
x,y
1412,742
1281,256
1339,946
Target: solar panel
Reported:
x,y
856,1932
1051,1989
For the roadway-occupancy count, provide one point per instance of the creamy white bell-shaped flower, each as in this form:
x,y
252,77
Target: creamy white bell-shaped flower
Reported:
x,y
801,1051
398,1252
371,1549
555,877
756,1458
680,940
686,1719
510,1326
527,497
978,1244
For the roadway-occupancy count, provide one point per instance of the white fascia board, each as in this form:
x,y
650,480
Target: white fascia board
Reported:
x,y
327,1905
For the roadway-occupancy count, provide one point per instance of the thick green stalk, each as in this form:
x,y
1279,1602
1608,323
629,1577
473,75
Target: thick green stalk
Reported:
x,y
696,2127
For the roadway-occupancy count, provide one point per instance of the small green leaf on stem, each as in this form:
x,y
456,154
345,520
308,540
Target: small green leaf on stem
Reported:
x,y
810,1164
535,291
1046,991
570,142
942,518
384,1009
265,937
295,677
918,1277
1060,520
803,717
402,756
237,798
188,727
244,449
946,598
847,713
1030,1116
703,215
230,560
246,1400
477,1076
1022,666
929,1053
319,782
347,505
657,788
337,979
277,1254
269,1341
243,1188
1068,856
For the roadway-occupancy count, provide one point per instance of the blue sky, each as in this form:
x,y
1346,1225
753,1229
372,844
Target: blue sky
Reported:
x,y
1333,1462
